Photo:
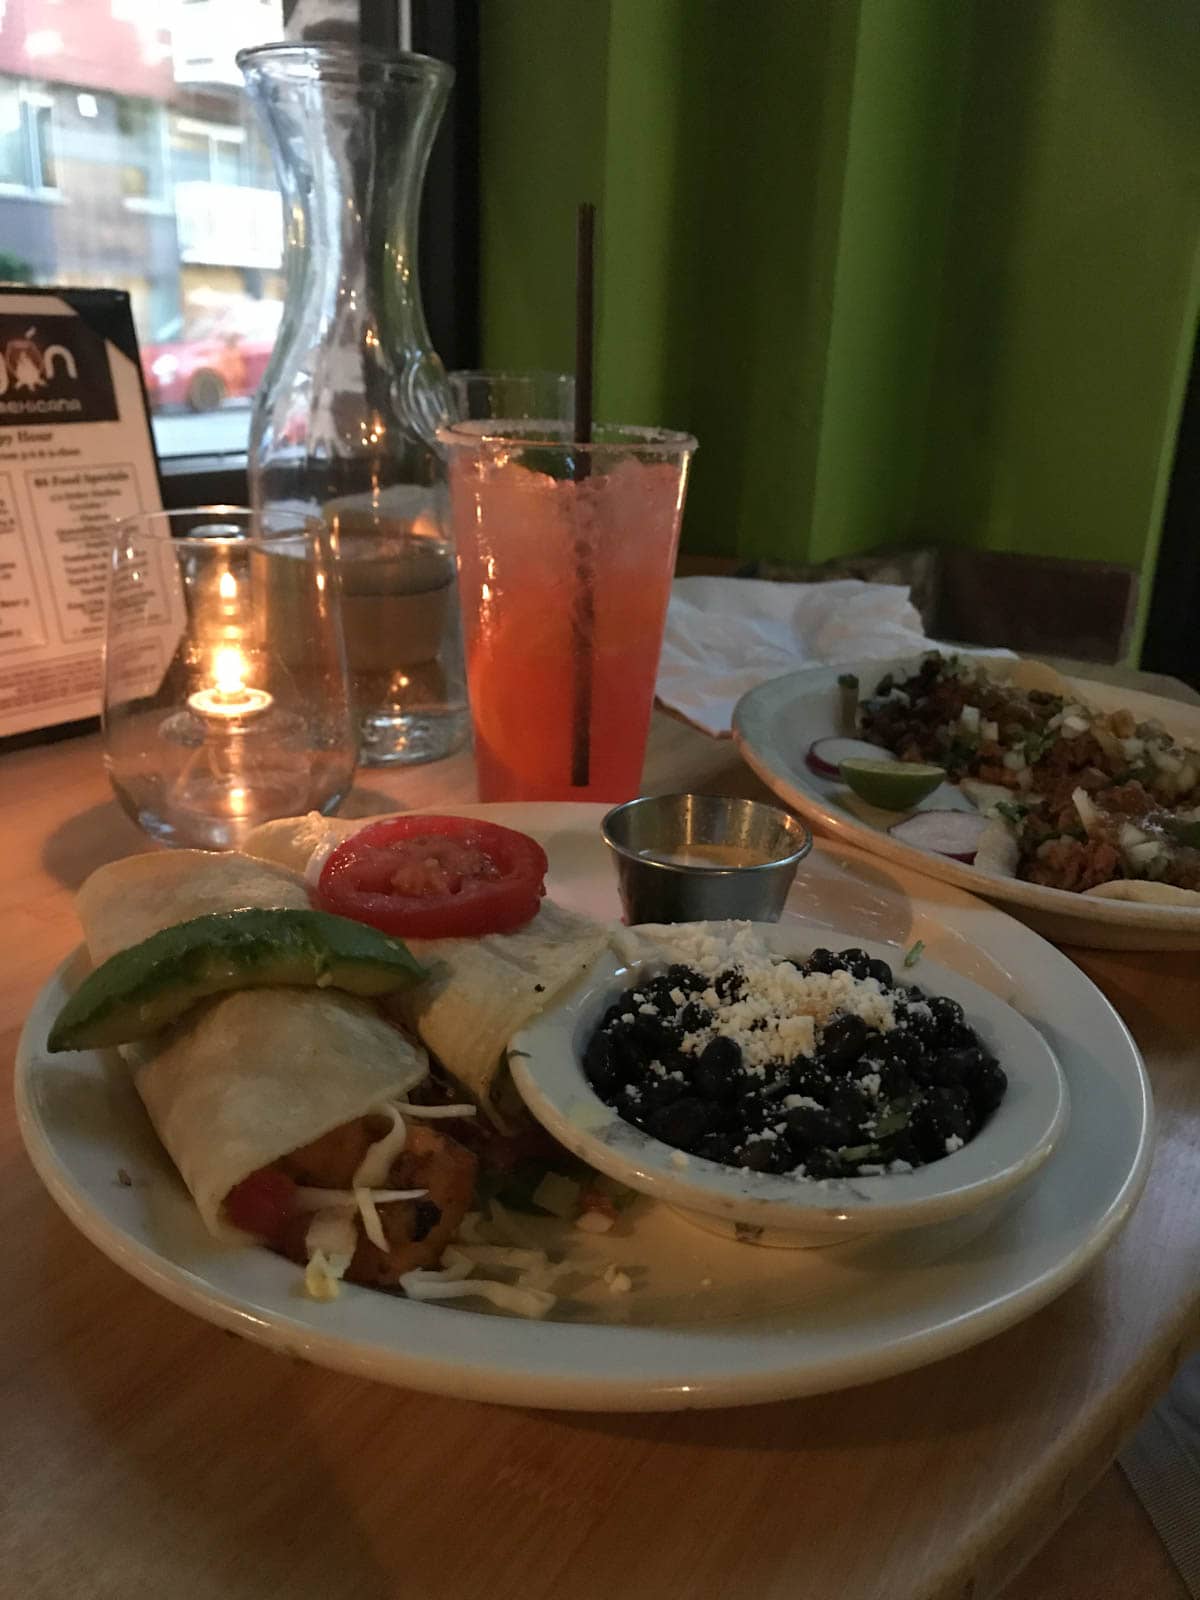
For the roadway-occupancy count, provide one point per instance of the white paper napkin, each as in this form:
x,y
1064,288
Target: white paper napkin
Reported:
x,y
726,635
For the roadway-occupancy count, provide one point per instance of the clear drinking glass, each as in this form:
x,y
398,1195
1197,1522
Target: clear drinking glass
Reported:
x,y
565,559
479,396
226,699
344,420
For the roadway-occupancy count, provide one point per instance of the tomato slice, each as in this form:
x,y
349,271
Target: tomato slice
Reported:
x,y
261,1203
435,877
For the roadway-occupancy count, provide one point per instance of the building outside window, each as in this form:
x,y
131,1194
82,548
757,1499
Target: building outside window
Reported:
x,y
130,159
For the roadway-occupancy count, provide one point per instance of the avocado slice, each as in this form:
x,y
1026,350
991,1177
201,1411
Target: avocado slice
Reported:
x,y
140,990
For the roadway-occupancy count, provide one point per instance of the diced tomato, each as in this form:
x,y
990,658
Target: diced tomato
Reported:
x,y
261,1203
596,1200
435,877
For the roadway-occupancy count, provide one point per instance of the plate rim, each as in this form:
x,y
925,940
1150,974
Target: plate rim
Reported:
x,y
548,1373
862,835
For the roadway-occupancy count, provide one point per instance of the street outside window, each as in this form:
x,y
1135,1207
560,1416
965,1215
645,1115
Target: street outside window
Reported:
x,y
131,159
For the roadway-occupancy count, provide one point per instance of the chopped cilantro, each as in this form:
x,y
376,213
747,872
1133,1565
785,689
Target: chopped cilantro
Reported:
x,y
914,953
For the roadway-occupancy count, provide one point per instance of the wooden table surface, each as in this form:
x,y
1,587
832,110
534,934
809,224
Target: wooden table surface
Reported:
x,y
143,1452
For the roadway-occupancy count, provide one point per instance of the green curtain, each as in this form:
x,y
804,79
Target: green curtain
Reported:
x,y
912,270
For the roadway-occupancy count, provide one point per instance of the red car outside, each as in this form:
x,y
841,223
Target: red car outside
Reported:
x,y
203,373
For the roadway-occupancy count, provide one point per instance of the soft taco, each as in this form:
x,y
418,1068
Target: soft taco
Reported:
x,y
284,1109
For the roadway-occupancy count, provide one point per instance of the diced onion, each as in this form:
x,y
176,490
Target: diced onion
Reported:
x,y
593,1222
1088,814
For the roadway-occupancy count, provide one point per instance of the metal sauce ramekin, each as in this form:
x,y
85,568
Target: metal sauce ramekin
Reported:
x,y
652,889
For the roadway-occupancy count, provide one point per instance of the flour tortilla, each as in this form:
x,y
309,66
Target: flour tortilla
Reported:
x,y
483,990
127,901
252,1076
1141,891
246,1078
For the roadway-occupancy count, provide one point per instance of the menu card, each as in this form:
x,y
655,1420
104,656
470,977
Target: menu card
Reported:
x,y
76,452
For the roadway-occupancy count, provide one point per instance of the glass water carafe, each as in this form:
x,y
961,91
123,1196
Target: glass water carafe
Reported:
x,y
344,421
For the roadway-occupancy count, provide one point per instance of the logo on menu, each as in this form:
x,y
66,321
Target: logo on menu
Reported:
x,y
54,370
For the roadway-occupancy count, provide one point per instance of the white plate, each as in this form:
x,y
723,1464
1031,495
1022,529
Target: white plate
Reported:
x,y
708,1322
775,724
546,1060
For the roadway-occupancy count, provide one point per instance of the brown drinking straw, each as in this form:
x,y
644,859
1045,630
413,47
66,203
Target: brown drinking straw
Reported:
x,y
585,594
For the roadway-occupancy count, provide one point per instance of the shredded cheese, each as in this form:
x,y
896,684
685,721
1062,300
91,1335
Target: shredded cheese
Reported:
x,y
433,1112
372,1171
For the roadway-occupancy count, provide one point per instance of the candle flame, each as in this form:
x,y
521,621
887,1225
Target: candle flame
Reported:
x,y
227,586
229,670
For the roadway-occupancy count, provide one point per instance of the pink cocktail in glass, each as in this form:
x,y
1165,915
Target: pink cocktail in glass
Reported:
x,y
565,557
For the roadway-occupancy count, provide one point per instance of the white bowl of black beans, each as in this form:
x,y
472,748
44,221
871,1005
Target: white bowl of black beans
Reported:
x,y
949,1103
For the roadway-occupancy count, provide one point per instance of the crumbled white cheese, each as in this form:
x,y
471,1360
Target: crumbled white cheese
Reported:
x,y
953,1143
618,1282
678,1158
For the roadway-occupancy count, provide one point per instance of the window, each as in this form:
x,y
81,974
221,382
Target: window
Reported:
x,y
133,160
26,136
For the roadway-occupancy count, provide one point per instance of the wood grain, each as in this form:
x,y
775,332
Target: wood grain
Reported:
x,y
144,1452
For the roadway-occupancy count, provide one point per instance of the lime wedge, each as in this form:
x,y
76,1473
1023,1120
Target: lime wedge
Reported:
x,y
893,785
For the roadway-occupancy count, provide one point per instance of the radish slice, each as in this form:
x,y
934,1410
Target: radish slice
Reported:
x,y
825,756
947,833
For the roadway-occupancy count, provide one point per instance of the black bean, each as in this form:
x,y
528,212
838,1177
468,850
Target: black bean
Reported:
x,y
986,1087
711,1082
718,1146
681,1124
730,984
856,962
809,1127
900,1045
822,1163
956,1036
917,1023
765,1155
822,961
955,1066
942,1113
881,972
695,1017
894,1081
945,1011
723,1054
843,1041
601,1062
685,978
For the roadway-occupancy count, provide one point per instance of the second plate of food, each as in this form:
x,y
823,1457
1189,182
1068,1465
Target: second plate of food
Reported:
x,y
777,725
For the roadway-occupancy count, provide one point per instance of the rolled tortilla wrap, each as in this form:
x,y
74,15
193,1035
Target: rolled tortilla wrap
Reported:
x,y
482,990
247,1078
125,902
255,1075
